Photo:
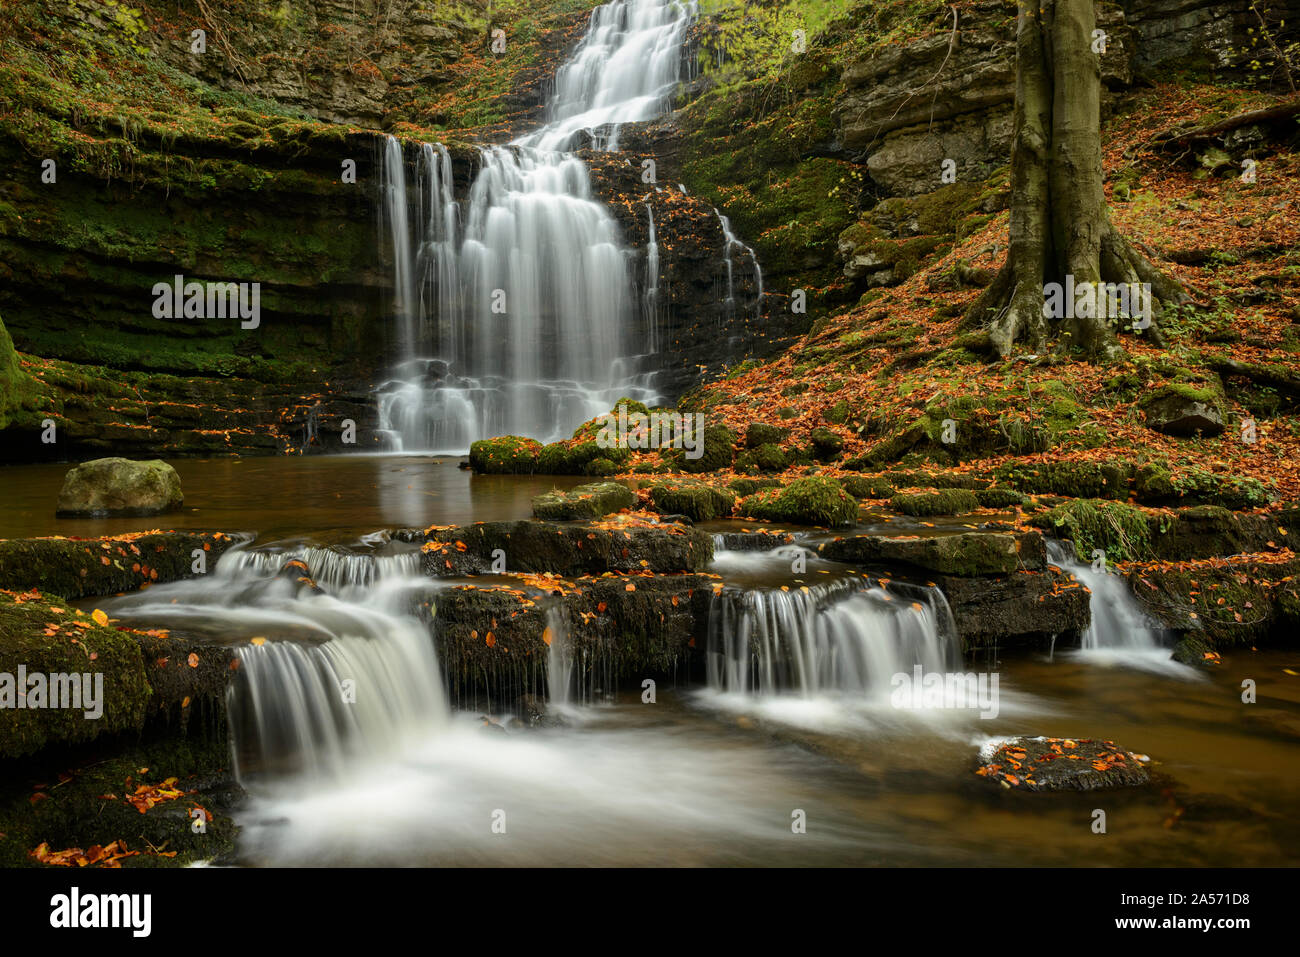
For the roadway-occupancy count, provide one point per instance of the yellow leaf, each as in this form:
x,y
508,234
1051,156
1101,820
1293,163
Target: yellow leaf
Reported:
x,y
258,641
101,618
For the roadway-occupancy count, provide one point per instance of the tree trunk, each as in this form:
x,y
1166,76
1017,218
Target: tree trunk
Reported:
x,y
1060,230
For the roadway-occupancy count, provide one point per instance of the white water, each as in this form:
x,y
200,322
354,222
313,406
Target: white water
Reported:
x,y
734,247
329,681
517,320
1118,633
846,637
651,307
623,71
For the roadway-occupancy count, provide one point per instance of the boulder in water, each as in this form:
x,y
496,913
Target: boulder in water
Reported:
x,y
584,501
1063,764
117,486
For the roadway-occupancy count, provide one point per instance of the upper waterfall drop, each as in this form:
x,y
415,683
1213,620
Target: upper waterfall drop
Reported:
x,y
623,71
514,308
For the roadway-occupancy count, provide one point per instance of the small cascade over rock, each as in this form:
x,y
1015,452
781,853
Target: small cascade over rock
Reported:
x,y
572,679
336,664
1119,632
733,249
850,636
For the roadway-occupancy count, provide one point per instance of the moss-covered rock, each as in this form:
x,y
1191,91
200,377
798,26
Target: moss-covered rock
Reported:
x,y
1064,764
771,458
967,554
998,497
506,455
717,451
1077,479
757,434
583,501
949,501
744,486
64,677
860,487
806,501
76,567
695,500
826,444
1183,410
1121,530
118,486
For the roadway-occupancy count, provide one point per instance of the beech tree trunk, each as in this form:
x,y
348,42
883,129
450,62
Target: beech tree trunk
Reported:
x,y
1060,227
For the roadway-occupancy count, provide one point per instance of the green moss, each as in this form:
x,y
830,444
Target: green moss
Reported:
x,y
1079,479
837,414
998,497
717,451
949,501
26,642
826,444
507,455
583,501
1121,530
806,501
772,458
862,487
695,500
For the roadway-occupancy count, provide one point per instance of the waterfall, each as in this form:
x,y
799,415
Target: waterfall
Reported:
x,y
651,307
513,312
559,657
1118,632
848,637
328,677
734,247
623,71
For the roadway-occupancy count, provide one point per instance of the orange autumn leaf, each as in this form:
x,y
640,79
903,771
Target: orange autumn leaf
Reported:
x,y
193,660
101,618
547,636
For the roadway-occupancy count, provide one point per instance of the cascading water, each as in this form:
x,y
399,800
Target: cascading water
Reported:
x,y
335,669
848,637
733,247
514,317
623,71
651,295
1118,632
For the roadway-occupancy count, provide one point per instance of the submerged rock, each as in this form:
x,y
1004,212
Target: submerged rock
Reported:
x,y
584,501
1063,764
117,486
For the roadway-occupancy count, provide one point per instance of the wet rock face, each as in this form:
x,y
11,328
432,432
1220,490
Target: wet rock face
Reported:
x,y
1064,764
117,486
1018,609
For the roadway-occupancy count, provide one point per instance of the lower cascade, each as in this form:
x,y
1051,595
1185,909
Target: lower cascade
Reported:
x,y
327,676
848,637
